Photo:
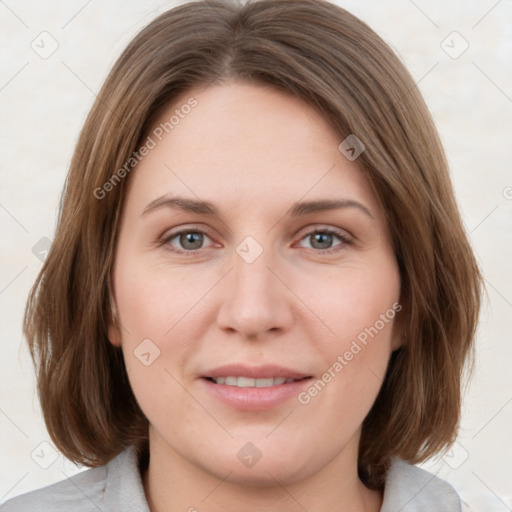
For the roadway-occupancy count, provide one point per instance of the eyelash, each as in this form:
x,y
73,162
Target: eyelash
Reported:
x,y
344,239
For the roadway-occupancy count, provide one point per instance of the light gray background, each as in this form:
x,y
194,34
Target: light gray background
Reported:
x,y
44,102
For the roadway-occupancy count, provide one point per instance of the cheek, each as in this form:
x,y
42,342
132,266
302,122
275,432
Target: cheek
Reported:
x,y
357,308
155,306
355,302
167,306
154,300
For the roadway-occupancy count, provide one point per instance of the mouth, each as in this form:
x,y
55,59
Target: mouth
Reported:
x,y
250,382
254,388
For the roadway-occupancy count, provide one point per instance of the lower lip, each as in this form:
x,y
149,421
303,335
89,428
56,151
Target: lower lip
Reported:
x,y
255,399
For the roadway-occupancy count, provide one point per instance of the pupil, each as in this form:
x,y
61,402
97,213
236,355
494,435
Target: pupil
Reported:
x,y
191,240
321,240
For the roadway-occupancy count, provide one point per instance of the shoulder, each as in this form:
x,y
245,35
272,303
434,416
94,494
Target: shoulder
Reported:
x,y
76,493
105,487
412,489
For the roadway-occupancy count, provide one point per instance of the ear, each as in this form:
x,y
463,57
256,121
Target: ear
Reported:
x,y
114,332
397,341
399,335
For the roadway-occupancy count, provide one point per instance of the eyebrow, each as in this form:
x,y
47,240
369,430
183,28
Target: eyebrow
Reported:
x,y
306,207
298,209
189,205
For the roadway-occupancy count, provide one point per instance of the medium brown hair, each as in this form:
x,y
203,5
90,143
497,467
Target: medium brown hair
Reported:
x,y
320,53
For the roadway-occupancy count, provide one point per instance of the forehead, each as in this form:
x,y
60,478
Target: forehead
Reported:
x,y
245,142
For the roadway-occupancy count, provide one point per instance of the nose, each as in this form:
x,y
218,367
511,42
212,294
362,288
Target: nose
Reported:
x,y
256,300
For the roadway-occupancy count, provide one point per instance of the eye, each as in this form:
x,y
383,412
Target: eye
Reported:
x,y
187,240
325,240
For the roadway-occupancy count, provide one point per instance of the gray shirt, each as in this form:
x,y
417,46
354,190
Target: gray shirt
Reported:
x,y
117,487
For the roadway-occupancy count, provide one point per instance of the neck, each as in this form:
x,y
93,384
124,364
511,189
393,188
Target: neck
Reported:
x,y
173,483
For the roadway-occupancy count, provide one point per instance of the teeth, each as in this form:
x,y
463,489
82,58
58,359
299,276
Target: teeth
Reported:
x,y
248,382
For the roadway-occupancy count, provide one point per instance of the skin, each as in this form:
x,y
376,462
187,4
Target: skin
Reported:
x,y
252,152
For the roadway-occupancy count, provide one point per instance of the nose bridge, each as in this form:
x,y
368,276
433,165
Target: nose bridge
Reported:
x,y
257,301
253,277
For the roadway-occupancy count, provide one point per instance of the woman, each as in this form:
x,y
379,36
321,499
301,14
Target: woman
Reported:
x,y
306,348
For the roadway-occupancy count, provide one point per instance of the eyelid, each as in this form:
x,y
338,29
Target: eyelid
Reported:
x,y
322,228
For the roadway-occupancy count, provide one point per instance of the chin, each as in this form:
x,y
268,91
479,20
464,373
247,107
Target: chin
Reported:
x,y
251,467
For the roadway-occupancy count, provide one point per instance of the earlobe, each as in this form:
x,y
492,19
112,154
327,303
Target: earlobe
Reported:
x,y
398,341
399,336
114,335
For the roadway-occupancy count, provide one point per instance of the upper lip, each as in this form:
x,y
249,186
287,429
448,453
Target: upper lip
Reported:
x,y
255,372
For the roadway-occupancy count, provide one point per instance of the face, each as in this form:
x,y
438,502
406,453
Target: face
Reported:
x,y
256,287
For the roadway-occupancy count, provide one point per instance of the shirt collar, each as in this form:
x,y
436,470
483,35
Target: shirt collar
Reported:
x,y
408,488
124,490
